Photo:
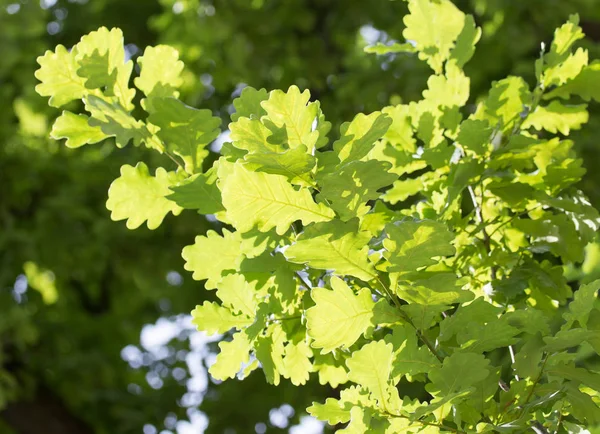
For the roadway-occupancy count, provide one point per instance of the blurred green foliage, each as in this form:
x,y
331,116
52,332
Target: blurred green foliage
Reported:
x,y
55,230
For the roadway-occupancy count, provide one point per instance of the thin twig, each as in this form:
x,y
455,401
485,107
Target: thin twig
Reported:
x,y
420,335
537,380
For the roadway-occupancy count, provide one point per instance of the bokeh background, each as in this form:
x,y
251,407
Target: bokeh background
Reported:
x,y
95,335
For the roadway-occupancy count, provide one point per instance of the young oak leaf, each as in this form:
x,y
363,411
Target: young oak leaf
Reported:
x,y
160,72
360,422
212,318
336,246
247,105
583,85
465,42
110,116
412,244
238,295
371,367
358,137
139,197
339,316
252,135
434,26
292,110
357,182
505,103
331,411
185,130
268,201
331,370
199,192
232,356
296,362
459,372
269,350
213,254
58,77
557,117
100,55
295,164
76,129
409,358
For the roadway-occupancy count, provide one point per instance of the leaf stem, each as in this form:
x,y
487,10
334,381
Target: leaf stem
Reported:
x,y
404,316
535,383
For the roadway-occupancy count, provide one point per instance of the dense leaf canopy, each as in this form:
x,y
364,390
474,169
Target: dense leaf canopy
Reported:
x,y
404,233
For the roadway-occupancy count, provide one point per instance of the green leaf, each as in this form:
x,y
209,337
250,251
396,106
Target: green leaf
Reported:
x,y
252,135
412,244
566,70
371,367
559,63
458,373
424,316
448,90
360,422
100,56
213,318
76,130
248,104
477,312
296,362
357,137
434,26
409,358
483,338
475,136
528,358
270,351
554,233
583,85
348,189
213,254
295,164
466,172
199,192
578,375
291,110
238,295
583,407
268,201
332,412
160,72
42,280
400,132
432,288
114,121
139,197
339,316
465,42
557,117
336,246
572,338
396,47
584,302
232,356
402,189
506,101
185,130
58,76
331,371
